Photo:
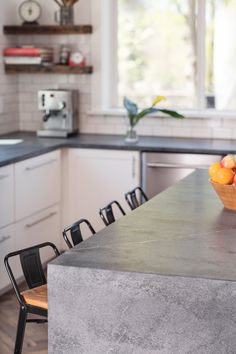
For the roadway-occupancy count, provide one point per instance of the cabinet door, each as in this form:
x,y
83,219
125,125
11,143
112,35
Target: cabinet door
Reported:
x,y
37,184
39,228
96,177
8,243
6,195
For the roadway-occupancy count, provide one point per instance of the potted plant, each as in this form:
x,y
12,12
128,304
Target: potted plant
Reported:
x,y
135,115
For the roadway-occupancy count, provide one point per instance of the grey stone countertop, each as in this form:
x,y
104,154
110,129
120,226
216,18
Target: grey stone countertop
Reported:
x,y
33,146
184,231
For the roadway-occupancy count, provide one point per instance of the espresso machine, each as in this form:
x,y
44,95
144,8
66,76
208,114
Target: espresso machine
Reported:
x,y
60,113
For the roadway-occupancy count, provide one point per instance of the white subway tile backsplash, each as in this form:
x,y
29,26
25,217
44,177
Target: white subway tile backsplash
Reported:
x,y
25,78
9,127
162,130
28,106
120,130
221,133
30,126
107,129
229,123
233,134
203,132
213,123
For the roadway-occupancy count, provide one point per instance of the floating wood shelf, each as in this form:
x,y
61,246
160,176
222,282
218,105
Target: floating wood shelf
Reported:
x,y
54,69
48,29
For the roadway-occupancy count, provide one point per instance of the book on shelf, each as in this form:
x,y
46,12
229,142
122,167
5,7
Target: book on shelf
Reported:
x,y
21,52
28,55
23,60
26,51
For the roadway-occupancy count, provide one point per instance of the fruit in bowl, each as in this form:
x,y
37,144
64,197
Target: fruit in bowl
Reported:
x,y
223,179
228,162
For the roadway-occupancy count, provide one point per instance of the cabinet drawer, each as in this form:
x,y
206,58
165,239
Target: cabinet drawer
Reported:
x,y
39,228
7,195
38,184
8,243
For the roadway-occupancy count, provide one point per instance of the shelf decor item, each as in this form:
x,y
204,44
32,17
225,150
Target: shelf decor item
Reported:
x,y
30,11
135,115
65,15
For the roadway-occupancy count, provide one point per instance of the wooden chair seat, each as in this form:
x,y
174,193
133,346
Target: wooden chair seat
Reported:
x,y
37,296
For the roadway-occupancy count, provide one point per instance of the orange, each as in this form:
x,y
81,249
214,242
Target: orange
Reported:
x,y
214,168
223,176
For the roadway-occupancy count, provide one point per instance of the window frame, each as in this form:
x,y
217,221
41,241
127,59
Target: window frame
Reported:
x,y
104,56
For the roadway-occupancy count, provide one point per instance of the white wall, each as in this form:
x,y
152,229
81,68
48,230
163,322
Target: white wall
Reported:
x,y
9,119
25,86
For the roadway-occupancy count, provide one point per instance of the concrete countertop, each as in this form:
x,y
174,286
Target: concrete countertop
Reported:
x,y
184,231
161,280
33,146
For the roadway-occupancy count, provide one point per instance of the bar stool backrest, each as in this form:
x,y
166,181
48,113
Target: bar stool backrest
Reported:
x,y
107,213
76,232
31,266
135,198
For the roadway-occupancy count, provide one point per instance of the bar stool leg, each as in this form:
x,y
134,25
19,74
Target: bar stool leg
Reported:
x,y
20,330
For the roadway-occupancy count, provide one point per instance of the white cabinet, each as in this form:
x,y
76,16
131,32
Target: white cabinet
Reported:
x,y
8,243
96,177
30,205
41,227
6,195
37,183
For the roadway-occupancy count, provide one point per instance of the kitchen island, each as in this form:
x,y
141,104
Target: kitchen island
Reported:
x,y
162,279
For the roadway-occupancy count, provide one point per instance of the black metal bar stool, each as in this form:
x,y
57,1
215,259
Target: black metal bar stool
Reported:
x,y
76,233
107,213
135,198
34,300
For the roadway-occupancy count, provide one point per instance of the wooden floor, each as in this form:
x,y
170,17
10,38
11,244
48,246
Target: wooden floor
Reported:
x,y
35,340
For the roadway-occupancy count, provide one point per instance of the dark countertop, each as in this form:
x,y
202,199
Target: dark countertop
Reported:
x,y
184,231
33,146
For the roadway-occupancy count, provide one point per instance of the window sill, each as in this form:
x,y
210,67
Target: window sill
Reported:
x,y
201,114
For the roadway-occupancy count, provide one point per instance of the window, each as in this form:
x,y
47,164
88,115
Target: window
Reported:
x,y
183,49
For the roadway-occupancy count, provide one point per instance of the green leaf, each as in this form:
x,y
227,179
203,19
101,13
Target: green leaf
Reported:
x,y
143,113
150,110
130,106
171,113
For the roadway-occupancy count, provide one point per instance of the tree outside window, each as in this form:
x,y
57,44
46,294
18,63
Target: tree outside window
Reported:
x,y
158,52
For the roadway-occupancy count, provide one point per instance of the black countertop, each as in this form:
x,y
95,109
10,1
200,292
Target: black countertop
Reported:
x,y
33,146
184,231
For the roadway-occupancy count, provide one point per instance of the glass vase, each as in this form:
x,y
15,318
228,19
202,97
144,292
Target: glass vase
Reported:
x,y
131,136
65,16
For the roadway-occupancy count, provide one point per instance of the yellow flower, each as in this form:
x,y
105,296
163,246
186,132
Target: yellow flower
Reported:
x,y
158,99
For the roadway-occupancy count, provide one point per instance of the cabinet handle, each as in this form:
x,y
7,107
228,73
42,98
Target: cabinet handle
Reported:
x,y
171,165
5,238
31,168
28,226
3,177
133,167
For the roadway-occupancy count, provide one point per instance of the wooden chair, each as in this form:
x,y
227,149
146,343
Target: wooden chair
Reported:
x,y
34,300
76,233
135,197
107,213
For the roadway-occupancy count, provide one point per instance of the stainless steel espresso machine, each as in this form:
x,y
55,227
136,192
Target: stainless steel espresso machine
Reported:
x,y
60,113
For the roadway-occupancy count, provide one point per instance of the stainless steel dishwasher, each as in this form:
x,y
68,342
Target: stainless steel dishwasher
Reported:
x,y
162,170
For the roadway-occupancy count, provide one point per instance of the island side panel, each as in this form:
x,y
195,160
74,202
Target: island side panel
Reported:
x,y
94,311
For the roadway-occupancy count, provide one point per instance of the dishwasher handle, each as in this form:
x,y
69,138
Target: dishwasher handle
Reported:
x,y
172,165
